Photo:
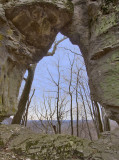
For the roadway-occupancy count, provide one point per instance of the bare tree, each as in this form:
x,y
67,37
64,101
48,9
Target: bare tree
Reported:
x,y
25,115
70,92
46,116
25,95
77,105
82,100
85,110
57,85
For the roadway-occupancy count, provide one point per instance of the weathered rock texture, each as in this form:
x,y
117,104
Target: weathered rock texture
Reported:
x,y
27,31
19,143
95,28
28,28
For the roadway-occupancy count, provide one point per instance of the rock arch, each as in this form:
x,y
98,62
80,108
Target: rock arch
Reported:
x,y
28,29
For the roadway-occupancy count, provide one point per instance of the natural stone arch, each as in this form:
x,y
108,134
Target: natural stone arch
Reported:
x,y
93,26
27,30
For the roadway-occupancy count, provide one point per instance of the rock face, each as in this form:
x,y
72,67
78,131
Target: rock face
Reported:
x,y
28,29
104,57
96,32
19,143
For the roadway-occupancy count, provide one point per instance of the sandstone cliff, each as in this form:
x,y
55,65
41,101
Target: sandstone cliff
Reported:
x,y
28,29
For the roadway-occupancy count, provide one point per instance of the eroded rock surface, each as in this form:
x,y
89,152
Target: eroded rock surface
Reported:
x,y
104,57
20,143
95,28
28,29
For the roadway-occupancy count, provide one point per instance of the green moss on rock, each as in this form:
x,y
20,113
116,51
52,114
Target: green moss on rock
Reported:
x,y
57,147
107,2
1,143
105,23
69,5
13,110
0,100
110,82
1,37
9,32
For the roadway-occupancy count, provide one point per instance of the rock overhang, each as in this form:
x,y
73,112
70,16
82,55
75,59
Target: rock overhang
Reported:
x,y
38,23
27,30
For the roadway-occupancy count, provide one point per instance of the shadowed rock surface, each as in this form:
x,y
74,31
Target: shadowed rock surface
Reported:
x,y
20,143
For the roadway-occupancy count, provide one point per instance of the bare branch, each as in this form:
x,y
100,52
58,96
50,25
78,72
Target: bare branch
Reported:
x,y
55,47
52,77
71,51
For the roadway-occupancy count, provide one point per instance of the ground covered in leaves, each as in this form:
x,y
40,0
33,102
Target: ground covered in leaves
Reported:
x,y
19,143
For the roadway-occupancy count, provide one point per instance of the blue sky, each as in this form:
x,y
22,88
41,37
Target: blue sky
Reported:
x,y
42,83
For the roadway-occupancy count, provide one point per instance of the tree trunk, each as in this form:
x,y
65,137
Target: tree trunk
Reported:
x,y
83,102
25,116
25,95
77,124
77,117
72,130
